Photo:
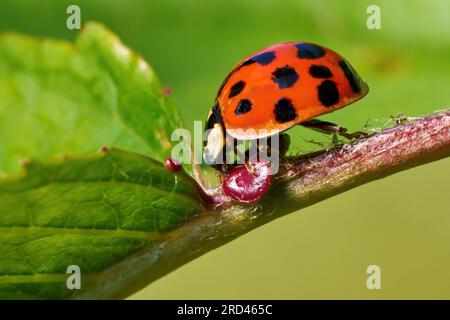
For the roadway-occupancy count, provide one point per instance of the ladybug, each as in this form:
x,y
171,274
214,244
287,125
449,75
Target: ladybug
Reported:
x,y
276,88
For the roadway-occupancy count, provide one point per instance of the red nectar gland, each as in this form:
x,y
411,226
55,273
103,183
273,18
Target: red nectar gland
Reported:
x,y
172,165
167,91
247,185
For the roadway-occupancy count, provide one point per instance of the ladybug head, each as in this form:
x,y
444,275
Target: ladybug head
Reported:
x,y
214,143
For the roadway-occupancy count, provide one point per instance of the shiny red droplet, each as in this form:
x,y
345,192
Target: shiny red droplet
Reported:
x,y
167,91
248,186
172,165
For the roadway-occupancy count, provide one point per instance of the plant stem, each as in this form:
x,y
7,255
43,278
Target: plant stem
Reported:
x,y
301,182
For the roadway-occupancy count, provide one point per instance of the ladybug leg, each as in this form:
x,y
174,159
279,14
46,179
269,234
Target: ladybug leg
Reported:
x,y
285,142
272,150
266,148
332,128
253,146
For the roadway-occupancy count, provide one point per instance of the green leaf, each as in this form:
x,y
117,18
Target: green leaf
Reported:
x,y
64,98
92,212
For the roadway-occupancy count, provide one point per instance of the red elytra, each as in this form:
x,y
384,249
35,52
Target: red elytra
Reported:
x,y
284,85
246,185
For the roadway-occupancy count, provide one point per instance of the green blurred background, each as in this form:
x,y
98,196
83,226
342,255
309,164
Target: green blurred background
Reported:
x,y
400,223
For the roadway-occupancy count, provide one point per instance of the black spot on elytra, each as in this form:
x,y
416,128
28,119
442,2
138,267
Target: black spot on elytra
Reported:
x,y
264,58
309,51
328,93
243,106
350,75
236,89
285,77
318,71
284,111
246,63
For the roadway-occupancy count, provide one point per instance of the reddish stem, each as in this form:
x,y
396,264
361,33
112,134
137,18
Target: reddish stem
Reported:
x,y
302,182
